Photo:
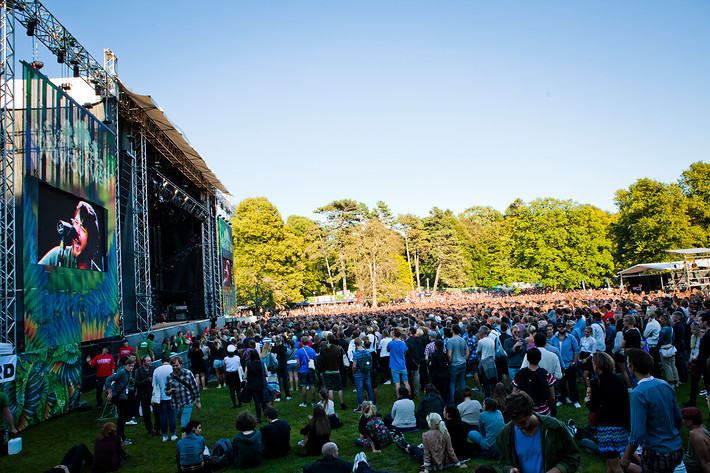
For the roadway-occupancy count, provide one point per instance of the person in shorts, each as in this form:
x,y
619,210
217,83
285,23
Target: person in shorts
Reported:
x,y
333,355
398,366
306,375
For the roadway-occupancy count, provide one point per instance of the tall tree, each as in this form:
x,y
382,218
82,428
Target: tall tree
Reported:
x,y
561,241
382,274
483,226
342,216
695,182
653,217
268,261
412,230
317,276
445,250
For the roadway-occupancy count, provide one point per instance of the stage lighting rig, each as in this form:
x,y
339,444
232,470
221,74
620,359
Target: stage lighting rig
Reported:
x,y
60,57
31,25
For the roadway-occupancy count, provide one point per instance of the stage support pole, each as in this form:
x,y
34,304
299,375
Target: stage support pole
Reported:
x,y
8,261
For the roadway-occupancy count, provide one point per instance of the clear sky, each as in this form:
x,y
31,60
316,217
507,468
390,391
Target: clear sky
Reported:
x,y
418,103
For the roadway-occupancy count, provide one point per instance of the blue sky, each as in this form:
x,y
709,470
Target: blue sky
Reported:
x,y
418,103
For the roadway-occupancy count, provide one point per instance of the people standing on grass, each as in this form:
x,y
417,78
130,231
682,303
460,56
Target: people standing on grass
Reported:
x,y
183,390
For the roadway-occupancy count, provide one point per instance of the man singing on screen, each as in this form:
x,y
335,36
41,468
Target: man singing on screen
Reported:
x,y
80,241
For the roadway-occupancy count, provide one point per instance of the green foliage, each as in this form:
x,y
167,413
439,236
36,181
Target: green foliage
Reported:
x,y
376,253
445,260
268,257
653,217
561,241
695,183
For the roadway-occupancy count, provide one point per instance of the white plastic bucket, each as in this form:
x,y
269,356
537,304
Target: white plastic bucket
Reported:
x,y
14,446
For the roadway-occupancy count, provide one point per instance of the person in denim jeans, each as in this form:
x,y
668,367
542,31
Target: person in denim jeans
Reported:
x,y
458,354
167,415
362,379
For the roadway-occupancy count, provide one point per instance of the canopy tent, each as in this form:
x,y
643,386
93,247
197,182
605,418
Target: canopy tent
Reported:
x,y
690,251
651,268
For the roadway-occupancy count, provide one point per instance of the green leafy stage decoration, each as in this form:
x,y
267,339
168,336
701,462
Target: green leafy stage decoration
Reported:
x,y
47,384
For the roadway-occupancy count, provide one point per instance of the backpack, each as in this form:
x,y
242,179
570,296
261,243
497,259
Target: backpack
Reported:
x,y
223,446
365,364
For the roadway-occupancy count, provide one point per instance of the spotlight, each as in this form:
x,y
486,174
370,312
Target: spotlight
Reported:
x,y
37,65
31,24
60,56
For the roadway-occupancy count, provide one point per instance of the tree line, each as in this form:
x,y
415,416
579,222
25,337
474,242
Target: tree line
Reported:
x,y
559,243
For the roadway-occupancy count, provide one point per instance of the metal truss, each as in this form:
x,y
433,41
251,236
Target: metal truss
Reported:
x,y
47,29
8,273
210,259
141,235
216,265
160,141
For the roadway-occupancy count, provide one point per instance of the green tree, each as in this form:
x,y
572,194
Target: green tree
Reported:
x,y
561,242
445,258
695,182
653,217
319,254
483,226
381,272
415,243
268,257
341,217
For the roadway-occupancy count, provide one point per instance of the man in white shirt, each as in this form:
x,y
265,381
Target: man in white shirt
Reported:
x,y
167,414
549,360
653,329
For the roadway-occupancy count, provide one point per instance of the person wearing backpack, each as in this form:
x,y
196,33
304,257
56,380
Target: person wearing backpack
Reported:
x,y
361,366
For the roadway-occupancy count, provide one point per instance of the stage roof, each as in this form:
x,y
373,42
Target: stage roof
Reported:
x,y
651,268
157,116
690,251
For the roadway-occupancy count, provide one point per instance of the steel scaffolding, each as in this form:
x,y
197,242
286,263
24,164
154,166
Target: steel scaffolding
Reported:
x,y
141,235
8,273
209,255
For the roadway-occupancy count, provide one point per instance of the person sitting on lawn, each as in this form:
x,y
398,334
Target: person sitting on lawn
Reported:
x,y
373,432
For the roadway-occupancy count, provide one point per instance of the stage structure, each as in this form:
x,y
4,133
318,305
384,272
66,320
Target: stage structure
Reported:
x,y
108,216
693,272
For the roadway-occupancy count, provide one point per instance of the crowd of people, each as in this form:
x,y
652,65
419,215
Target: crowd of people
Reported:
x,y
528,354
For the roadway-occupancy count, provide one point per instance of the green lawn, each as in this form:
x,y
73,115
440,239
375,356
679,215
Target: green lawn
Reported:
x,y
45,444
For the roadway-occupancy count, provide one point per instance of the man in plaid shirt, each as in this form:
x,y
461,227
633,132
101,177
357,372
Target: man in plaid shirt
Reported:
x,y
182,387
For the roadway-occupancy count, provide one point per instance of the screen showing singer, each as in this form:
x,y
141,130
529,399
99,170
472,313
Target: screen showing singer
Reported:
x,y
76,241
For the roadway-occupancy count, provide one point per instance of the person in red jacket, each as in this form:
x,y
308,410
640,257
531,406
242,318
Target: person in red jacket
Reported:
x,y
105,367
125,350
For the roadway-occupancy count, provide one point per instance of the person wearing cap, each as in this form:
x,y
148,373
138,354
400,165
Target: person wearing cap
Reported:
x,y
569,356
697,460
233,374
125,350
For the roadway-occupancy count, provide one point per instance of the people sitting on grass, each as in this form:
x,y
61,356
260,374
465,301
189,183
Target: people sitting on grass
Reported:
x,y
431,402
490,423
373,432
469,409
247,444
402,418
190,450
275,435
108,450
316,432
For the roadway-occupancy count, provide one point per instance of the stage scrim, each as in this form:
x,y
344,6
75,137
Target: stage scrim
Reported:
x,y
70,291
226,248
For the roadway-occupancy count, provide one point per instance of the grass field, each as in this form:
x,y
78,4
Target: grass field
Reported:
x,y
45,444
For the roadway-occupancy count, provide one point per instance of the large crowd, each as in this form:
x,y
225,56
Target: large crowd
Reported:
x,y
529,354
